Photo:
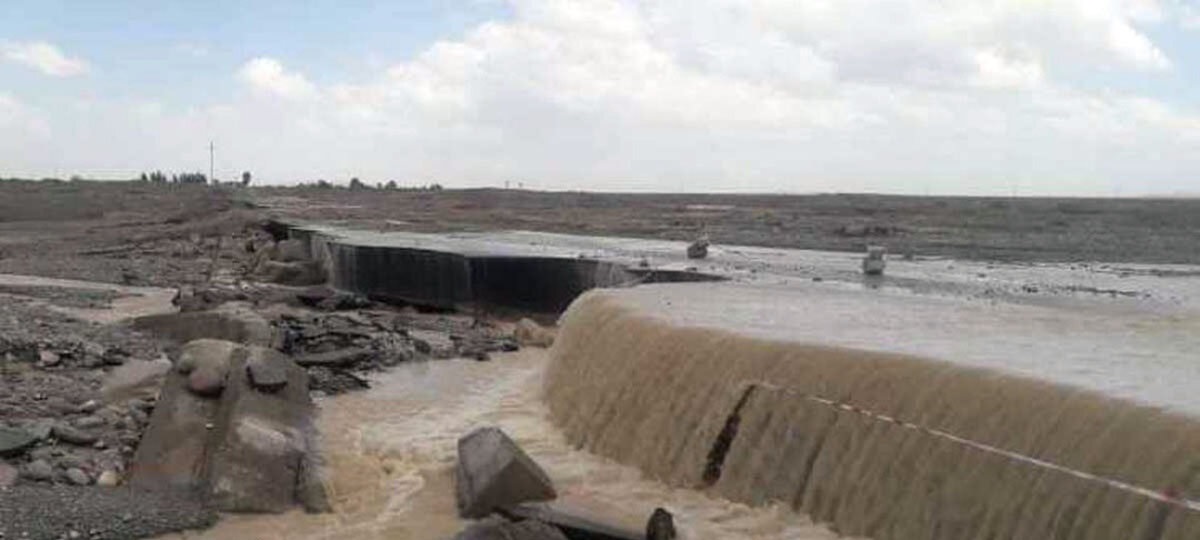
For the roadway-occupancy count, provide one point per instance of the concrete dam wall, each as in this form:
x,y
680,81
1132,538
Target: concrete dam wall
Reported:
x,y
875,444
452,275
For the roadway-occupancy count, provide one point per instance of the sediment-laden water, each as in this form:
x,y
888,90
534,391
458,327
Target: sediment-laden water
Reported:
x,y
390,453
723,390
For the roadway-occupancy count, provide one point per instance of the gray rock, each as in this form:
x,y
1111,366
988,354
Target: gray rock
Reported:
x,y
14,442
72,435
576,520
267,370
88,407
206,363
48,358
40,429
661,526
342,357
89,422
8,474
207,382
78,477
38,471
497,529
493,472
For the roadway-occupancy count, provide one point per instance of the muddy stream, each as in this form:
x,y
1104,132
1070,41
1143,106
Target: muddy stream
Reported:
x,y
390,454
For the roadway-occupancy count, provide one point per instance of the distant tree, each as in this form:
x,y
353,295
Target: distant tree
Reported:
x,y
144,178
323,184
355,183
435,187
245,178
391,185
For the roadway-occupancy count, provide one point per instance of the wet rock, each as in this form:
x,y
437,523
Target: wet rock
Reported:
x,y
8,474
14,441
77,477
244,450
875,262
337,358
498,529
575,520
74,436
531,334
661,526
38,471
698,249
267,370
334,381
494,472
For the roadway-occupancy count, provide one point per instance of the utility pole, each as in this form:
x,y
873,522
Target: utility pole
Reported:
x,y
211,152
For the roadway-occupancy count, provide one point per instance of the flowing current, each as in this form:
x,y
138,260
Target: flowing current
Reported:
x,y
390,455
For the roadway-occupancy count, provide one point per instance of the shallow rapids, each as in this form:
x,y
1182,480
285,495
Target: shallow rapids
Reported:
x,y
390,455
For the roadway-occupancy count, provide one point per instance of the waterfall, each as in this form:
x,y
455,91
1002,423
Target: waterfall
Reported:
x,y
875,444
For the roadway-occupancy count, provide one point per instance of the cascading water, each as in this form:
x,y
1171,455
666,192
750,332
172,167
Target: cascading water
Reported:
x,y
877,444
390,454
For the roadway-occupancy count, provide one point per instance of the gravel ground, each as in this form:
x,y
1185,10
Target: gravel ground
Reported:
x,y
52,512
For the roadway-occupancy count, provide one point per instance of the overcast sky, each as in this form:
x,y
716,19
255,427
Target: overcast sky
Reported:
x,y
1073,97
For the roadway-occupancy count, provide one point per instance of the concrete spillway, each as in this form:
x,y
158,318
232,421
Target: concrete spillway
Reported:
x,y
467,272
925,407
876,443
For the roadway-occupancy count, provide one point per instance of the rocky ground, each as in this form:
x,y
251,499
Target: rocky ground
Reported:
x,y
77,397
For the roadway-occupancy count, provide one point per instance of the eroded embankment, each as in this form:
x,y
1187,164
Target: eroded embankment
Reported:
x,y
880,445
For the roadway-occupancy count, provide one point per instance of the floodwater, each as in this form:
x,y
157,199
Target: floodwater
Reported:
x,y
1143,352
390,454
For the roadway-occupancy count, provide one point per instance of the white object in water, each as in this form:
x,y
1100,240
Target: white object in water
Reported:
x,y
875,261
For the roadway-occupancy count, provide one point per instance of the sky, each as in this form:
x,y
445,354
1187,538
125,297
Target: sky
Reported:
x,y
973,97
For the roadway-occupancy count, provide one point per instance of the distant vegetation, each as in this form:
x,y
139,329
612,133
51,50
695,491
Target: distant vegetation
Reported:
x,y
357,185
158,177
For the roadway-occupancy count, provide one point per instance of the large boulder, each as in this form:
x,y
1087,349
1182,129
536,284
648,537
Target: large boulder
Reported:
x,y
493,472
233,321
259,442
248,450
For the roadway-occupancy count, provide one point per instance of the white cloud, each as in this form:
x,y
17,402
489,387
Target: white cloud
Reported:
x,y
268,76
771,95
44,57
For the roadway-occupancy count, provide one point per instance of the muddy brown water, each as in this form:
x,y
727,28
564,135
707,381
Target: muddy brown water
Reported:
x,y
390,453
